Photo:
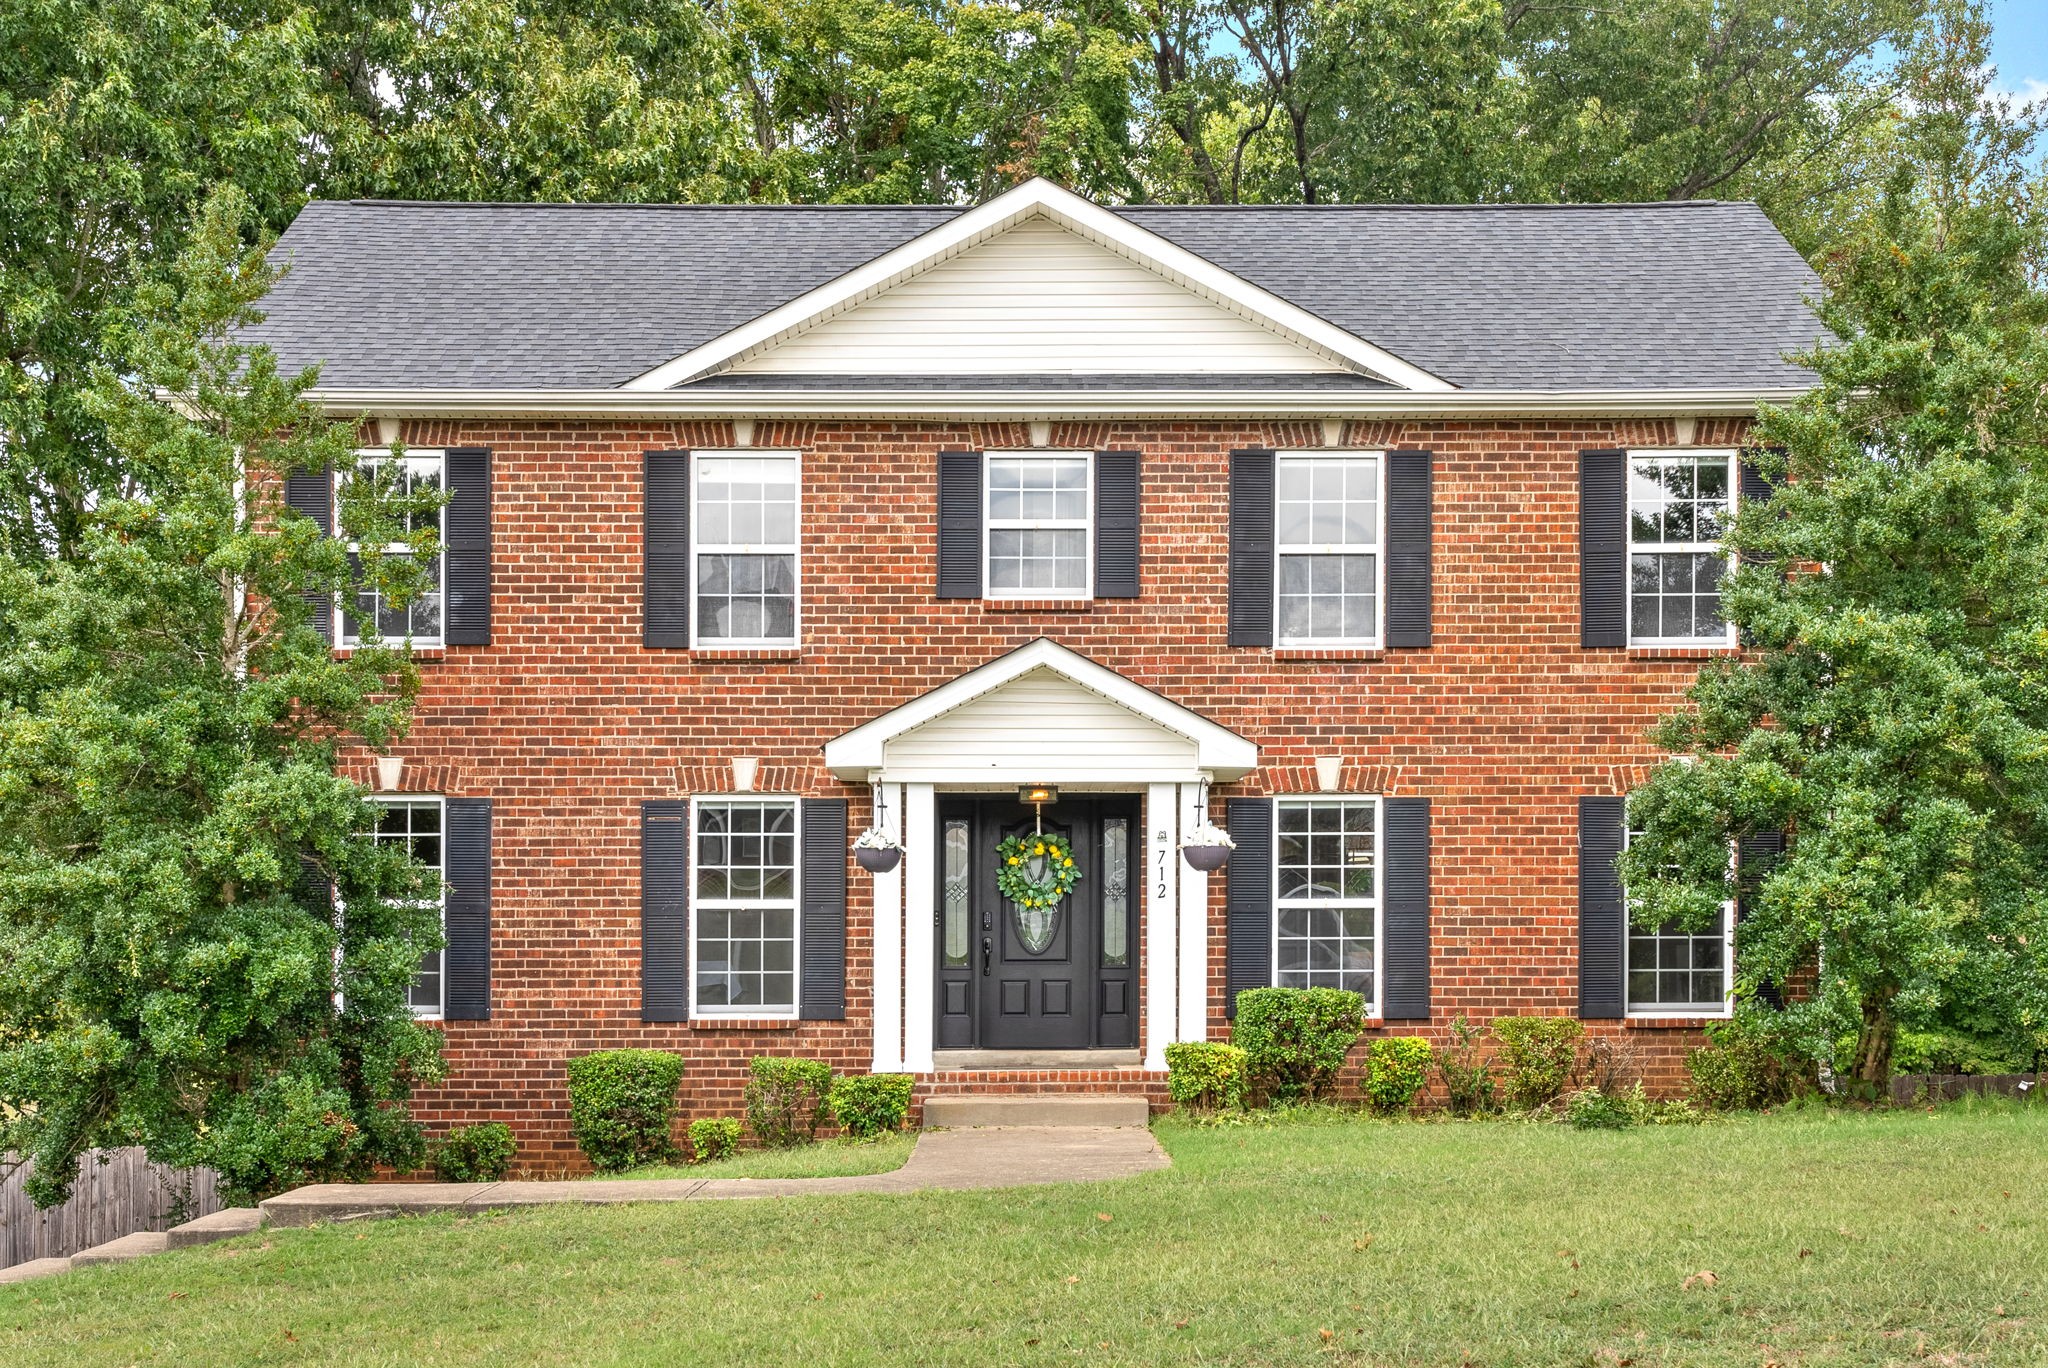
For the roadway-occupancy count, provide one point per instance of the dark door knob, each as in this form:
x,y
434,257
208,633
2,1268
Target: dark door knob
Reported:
x,y
988,953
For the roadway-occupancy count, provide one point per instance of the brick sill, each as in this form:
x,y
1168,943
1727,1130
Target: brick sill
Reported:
x,y
418,652
1682,652
1637,1023
1010,605
712,656
1328,653
744,1023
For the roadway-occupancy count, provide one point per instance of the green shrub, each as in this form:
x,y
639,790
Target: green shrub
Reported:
x,y
475,1154
1537,1055
713,1137
870,1105
786,1100
1749,1061
622,1107
1467,1076
1202,1075
1397,1067
1591,1109
1296,1039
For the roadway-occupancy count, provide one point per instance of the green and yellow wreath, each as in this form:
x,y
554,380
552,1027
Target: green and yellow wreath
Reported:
x,y
1053,859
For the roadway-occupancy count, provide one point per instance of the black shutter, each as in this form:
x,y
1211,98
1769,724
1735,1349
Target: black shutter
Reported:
x,y
1405,958
311,493
467,604
665,555
1248,899
1603,920
1251,548
1603,549
959,524
466,964
1754,856
1116,524
821,980
1754,485
1409,490
664,910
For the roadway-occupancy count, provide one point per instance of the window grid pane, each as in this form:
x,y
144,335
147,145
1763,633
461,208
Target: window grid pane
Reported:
x,y
1327,528
1678,510
1326,858
745,922
415,827
421,618
1037,509
1671,969
745,510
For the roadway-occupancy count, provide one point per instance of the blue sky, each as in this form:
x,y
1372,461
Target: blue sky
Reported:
x,y
2019,31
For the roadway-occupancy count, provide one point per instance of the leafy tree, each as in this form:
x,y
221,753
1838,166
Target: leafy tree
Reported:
x,y
170,975
1892,716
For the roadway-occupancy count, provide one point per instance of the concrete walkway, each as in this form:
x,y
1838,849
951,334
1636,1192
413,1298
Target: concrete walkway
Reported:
x,y
991,1157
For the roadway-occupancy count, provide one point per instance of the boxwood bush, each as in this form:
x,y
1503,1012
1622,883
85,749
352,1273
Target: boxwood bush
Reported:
x,y
1296,1039
870,1105
1537,1057
1748,1062
622,1107
713,1137
475,1154
1397,1067
1205,1074
786,1099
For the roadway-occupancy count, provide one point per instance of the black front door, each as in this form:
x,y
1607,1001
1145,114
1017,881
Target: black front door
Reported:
x,y
1013,977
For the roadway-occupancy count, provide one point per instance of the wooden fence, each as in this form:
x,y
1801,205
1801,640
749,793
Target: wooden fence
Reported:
x,y
118,1193
1948,1087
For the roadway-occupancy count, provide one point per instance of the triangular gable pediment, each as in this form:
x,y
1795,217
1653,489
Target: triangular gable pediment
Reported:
x,y
1041,714
1038,281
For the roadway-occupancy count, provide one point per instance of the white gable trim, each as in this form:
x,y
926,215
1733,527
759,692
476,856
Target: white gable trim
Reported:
x,y
1219,752
1077,215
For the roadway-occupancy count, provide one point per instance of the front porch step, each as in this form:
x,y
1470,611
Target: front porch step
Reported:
x,y
1099,1109
1064,1060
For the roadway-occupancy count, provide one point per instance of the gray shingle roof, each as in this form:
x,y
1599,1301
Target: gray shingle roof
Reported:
x,y
534,296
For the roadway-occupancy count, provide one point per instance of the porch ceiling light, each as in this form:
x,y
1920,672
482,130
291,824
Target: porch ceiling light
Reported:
x,y
1039,794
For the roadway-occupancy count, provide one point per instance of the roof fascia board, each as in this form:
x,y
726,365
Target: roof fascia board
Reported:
x,y
1070,211
994,405
857,753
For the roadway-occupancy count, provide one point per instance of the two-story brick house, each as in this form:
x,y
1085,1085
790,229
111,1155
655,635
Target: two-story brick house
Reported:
x,y
1379,534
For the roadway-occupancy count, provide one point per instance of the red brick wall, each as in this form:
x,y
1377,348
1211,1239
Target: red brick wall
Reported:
x,y
568,723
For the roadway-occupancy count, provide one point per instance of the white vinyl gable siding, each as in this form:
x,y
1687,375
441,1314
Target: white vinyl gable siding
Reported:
x,y
1041,723
1036,299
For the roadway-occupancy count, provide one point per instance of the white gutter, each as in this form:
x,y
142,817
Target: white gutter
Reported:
x,y
1057,404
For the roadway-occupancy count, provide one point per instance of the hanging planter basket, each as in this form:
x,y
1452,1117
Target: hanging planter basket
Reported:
x,y
1207,848
877,851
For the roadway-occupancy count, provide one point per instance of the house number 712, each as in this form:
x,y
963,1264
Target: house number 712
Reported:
x,y
1160,839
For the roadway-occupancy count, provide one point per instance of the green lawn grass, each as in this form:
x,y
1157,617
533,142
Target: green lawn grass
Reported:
x,y
835,1158
1832,1238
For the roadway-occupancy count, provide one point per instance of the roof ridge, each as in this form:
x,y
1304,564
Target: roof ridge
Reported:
x,y
618,204
1383,208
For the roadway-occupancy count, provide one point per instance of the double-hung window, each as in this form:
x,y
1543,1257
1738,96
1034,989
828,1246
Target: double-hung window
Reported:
x,y
1675,972
1679,507
419,620
745,536
1327,517
414,825
744,907
1327,894
1039,523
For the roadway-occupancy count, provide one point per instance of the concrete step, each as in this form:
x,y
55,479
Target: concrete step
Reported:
x,y
136,1246
1035,1109
221,1225
34,1268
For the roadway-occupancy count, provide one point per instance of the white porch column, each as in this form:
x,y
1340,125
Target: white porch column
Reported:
x,y
1194,928
1162,859
920,880
888,944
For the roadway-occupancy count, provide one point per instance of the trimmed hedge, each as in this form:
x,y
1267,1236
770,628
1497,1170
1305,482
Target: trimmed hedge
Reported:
x,y
475,1154
1537,1056
1296,1039
713,1137
622,1107
1397,1067
1204,1075
870,1105
786,1099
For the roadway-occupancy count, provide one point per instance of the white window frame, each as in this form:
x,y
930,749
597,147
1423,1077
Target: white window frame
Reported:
x,y
440,804
1378,551
749,1012
1630,547
1658,1011
344,602
794,549
990,526
1379,902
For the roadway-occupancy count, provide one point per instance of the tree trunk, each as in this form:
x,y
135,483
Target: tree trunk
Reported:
x,y
1874,1042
